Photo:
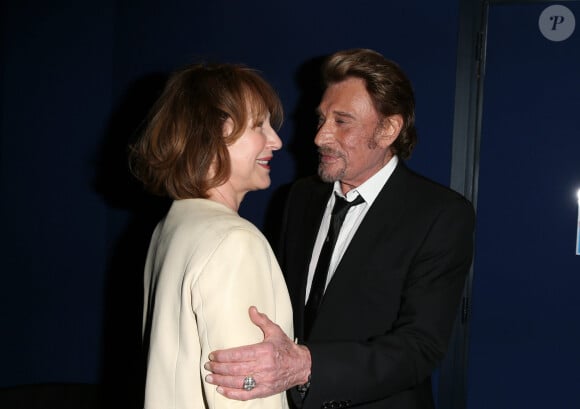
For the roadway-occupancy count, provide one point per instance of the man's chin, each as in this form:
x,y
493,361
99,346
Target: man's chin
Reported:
x,y
329,176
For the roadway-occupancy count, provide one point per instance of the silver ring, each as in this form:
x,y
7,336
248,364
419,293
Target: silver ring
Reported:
x,y
249,383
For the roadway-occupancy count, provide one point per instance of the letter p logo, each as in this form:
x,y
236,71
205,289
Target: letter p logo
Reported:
x,y
556,20
557,23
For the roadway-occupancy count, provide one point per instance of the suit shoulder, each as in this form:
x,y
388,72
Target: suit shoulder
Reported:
x,y
431,193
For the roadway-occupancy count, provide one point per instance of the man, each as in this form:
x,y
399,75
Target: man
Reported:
x,y
396,273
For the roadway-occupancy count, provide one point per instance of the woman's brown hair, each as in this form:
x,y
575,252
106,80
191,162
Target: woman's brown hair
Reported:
x,y
183,151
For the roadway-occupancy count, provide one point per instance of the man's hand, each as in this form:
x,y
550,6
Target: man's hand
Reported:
x,y
276,364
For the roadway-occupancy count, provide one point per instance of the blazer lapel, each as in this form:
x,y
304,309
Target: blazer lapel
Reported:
x,y
305,237
382,217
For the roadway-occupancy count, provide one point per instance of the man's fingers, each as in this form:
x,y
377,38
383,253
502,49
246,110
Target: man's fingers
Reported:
x,y
249,353
276,364
227,369
264,323
240,394
230,382
238,354
232,387
259,319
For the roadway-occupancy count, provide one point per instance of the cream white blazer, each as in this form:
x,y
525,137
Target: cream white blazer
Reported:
x,y
206,265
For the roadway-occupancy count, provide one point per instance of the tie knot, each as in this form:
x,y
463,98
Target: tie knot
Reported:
x,y
341,205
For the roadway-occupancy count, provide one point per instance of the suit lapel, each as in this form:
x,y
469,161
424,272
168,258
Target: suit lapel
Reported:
x,y
381,219
310,217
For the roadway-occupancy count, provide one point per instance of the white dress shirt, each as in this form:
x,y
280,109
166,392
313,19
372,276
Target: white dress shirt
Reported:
x,y
369,191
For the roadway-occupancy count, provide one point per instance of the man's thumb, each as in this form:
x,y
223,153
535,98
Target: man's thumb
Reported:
x,y
261,320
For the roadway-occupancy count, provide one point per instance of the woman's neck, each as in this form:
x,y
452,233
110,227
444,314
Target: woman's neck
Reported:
x,y
225,195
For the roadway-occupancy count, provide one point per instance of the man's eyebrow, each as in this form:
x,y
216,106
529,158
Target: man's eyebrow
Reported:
x,y
344,114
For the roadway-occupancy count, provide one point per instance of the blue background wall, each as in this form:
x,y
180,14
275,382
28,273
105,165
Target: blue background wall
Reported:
x,y
526,314
76,81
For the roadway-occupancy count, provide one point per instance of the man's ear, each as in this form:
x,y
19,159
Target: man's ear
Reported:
x,y
390,130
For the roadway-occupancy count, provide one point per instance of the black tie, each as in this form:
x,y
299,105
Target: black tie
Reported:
x,y
339,211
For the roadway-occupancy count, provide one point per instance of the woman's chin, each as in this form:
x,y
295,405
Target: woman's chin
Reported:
x,y
265,184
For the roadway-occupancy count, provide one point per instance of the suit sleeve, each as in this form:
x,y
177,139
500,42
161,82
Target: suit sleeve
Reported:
x,y
237,275
404,356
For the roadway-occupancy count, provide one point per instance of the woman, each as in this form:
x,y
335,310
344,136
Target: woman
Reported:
x,y
209,142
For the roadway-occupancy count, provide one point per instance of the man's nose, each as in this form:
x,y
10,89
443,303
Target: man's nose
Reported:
x,y
323,134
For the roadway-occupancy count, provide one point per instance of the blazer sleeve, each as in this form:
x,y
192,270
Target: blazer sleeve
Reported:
x,y
241,272
405,356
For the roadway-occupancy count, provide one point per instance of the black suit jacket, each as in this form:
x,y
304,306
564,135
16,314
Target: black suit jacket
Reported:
x,y
388,312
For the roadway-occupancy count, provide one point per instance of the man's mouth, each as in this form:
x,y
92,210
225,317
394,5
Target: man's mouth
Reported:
x,y
329,156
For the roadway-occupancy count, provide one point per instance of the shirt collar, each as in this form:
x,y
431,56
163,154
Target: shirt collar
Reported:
x,y
370,189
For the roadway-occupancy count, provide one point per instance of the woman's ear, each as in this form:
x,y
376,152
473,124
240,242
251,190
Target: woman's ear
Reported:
x,y
228,127
391,128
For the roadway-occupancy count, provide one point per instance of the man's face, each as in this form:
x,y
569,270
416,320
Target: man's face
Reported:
x,y
352,140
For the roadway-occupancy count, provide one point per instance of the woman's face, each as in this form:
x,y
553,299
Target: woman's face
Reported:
x,y
250,156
